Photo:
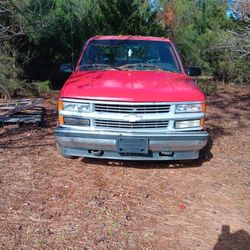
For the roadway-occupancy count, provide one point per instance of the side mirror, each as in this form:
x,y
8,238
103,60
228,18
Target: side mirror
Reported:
x,y
66,68
193,71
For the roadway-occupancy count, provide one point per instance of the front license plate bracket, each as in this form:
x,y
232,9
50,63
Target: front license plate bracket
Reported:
x,y
131,145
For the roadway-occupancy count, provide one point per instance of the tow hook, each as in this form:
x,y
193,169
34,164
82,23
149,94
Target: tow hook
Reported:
x,y
96,152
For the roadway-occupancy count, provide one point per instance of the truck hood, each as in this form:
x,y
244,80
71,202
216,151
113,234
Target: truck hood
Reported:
x,y
132,86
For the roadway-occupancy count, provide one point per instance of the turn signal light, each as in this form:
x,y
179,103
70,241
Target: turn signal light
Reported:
x,y
203,107
60,118
202,123
60,105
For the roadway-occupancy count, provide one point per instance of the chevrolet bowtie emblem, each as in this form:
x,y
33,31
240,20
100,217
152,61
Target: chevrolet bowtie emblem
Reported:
x,y
132,118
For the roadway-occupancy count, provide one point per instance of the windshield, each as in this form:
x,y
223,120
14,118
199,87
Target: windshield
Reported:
x,y
129,55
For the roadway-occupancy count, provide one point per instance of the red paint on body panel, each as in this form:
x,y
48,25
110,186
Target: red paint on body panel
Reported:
x,y
132,86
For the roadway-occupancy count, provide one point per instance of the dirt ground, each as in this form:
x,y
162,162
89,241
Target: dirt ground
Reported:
x,y
48,202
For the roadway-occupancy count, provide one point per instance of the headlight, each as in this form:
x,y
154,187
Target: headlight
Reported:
x,y
187,124
189,108
76,107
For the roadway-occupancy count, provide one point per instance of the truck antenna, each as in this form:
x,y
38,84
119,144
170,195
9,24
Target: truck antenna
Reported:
x,y
72,39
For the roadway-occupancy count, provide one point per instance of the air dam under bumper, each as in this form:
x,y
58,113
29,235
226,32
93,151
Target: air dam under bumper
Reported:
x,y
176,146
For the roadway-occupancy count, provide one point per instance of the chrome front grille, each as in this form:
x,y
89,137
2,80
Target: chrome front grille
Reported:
x,y
131,108
114,124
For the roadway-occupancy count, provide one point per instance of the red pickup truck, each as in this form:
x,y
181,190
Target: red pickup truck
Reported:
x,y
130,98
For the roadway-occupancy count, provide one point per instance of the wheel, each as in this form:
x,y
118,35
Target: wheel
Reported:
x,y
59,149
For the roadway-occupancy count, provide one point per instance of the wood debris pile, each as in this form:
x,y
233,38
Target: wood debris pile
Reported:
x,y
21,111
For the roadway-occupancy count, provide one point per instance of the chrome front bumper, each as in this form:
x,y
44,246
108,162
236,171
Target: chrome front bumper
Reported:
x,y
175,145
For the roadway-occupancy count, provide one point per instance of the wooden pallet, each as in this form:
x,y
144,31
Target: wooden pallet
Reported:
x,y
22,111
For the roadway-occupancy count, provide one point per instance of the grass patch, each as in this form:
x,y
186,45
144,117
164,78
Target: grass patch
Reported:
x,y
38,88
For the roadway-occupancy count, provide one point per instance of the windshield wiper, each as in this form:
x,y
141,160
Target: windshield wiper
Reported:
x,y
123,67
143,65
97,65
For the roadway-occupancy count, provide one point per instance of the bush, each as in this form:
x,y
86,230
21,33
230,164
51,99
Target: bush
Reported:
x,y
233,70
9,76
12,86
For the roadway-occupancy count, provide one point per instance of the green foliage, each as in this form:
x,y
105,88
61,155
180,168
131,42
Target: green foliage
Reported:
x,y
45,29
9,76
10,83
232,69
50,24
38,88
199,27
